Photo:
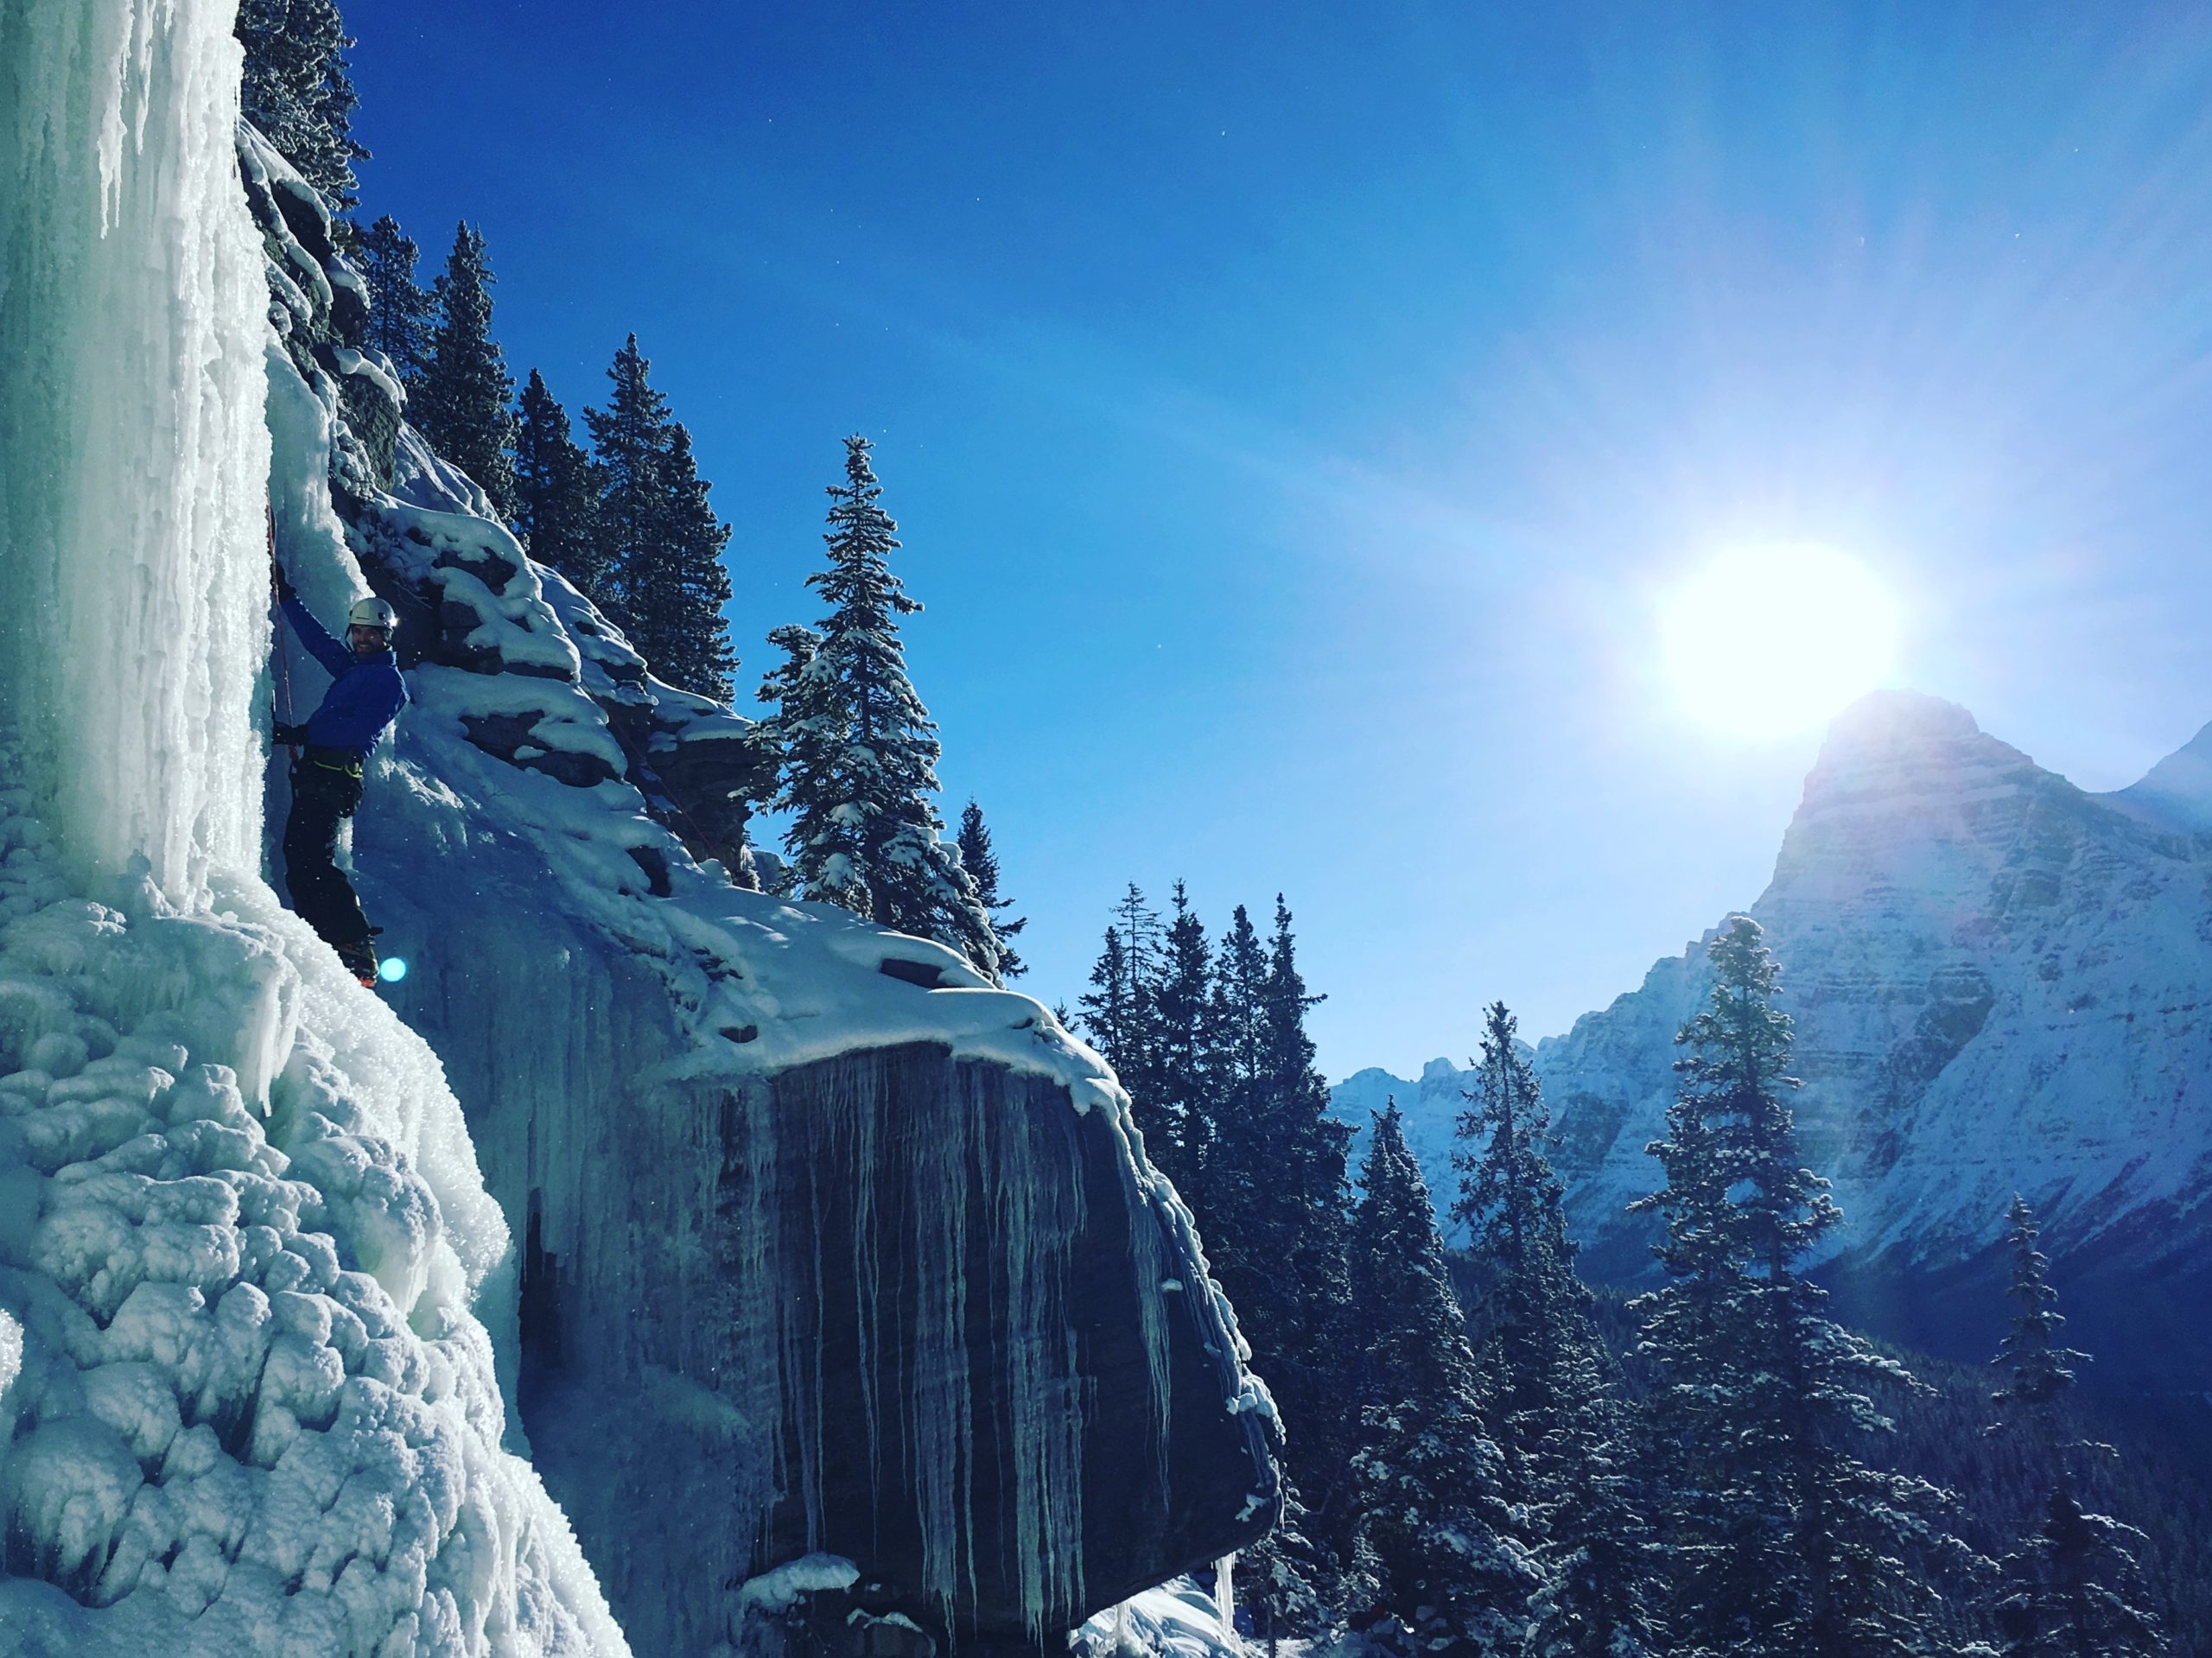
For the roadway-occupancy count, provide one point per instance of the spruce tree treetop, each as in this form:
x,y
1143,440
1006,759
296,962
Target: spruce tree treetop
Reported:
x,y
883,781
1183,1047
2039,1372
463,404
401,315
676,600
866,600
1419,1337
630,442
556,492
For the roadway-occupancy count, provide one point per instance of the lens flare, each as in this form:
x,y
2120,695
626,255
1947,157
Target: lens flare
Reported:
x,y
1767,642
393,968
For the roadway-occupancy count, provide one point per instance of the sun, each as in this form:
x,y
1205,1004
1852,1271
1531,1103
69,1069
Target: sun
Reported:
x,y
1771,641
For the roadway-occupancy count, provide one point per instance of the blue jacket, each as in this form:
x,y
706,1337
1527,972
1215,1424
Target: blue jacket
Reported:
x,y
365,694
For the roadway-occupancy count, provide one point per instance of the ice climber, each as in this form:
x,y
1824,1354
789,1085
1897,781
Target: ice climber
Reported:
x,y
365,695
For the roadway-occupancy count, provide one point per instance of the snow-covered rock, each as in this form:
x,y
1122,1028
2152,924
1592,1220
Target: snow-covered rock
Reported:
x,y
1999,983
2176,792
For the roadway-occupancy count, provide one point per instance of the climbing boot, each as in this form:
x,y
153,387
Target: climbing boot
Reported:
x,y
359,957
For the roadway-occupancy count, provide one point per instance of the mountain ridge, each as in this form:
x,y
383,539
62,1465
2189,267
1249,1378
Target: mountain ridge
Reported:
x,y
2000,981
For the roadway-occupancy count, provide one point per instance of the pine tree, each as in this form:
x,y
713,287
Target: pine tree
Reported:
x,y
663,581
982,864
1432,1541
402,318
298,93
2072,1587
1542,1370
1118,1009
1784,1541
556,492
2039,1374
907,875
675,600
631,439
1271,1199
807,738
1182,1040
463,406
1312,1146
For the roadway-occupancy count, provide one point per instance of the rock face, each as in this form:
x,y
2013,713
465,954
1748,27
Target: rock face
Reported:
x,y
831,1248
930,1320
1999,983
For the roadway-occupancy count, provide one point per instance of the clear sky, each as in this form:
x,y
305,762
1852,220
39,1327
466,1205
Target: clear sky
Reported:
x,y
1299,416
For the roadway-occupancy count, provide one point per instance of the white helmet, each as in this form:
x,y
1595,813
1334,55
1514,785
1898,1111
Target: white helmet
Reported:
x,y
373,612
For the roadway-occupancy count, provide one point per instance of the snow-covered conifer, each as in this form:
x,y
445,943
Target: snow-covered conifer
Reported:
x,y
809,736
982,864
675,600
296,91
1182,1040
1782,1539
402,317
463,404
1434,1539
884,782
1311,1146
660,543
2073,1588
2073,1585
556,492
1118,1011
1542,1370
630,440
2039,1374
1272,1200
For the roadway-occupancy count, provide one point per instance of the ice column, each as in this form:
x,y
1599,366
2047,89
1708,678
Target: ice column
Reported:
x,y
133,457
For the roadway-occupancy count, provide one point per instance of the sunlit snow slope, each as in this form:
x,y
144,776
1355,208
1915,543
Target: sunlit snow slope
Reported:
x,y
249,1405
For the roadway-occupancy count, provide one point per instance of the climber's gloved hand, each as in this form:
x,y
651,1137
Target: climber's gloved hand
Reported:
x,y
279,579
292,736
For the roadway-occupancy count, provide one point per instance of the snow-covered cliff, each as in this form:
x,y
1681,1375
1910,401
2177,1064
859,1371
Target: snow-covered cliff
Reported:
x,y
789,1236
2000,983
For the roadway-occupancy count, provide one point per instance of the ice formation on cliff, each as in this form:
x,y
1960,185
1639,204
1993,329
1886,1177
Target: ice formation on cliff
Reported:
x,y
252,1407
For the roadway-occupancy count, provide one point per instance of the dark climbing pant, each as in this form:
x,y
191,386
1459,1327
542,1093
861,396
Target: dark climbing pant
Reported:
x,y
323,797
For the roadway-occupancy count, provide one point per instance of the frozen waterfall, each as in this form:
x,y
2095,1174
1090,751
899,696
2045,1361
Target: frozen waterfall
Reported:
x,y
133,453
247,1405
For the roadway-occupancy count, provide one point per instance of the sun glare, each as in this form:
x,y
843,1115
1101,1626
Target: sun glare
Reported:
x,y
1771,641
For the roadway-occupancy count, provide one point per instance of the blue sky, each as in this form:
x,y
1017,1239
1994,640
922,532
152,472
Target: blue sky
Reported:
x,y
1296,416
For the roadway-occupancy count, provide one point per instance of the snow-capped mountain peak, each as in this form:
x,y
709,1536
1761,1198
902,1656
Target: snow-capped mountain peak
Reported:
x,y
1999,983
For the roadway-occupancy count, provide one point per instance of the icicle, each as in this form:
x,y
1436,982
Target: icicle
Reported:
x,y
1224,1596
